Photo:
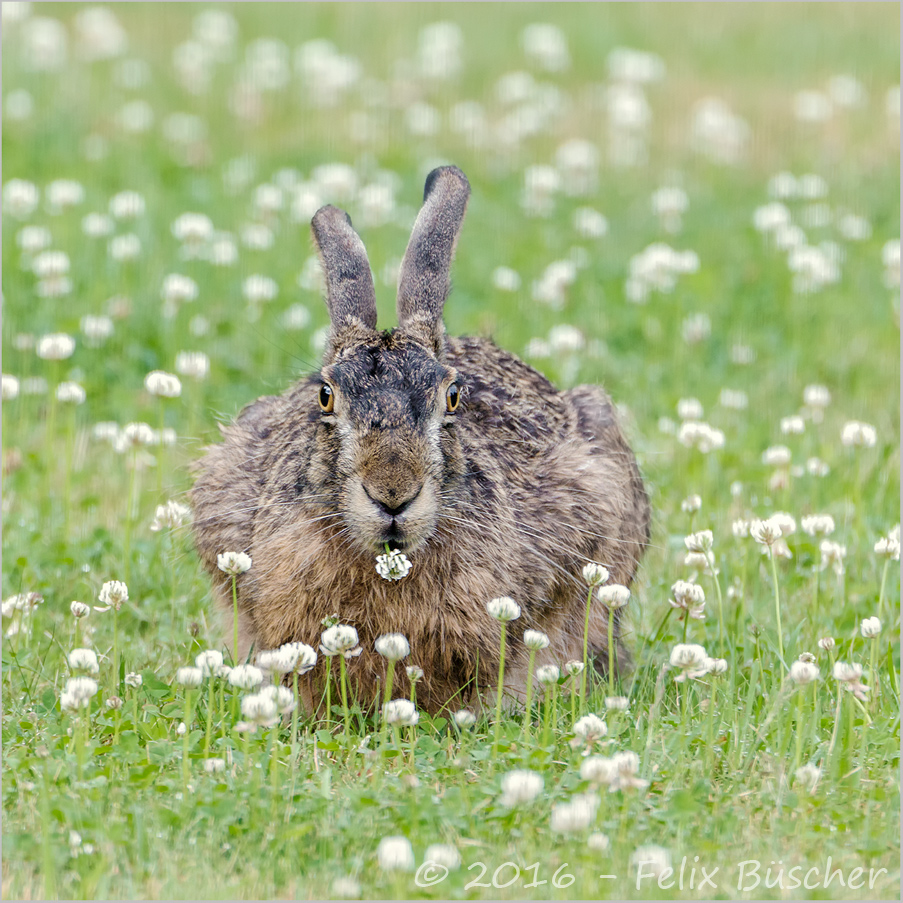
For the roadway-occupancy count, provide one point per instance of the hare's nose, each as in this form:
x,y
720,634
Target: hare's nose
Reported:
x,y
389,506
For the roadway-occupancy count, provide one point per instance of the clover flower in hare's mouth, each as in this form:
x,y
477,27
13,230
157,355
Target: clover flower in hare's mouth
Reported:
x,y
393,564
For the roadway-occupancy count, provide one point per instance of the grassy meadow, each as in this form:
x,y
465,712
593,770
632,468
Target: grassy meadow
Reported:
x,y
696,206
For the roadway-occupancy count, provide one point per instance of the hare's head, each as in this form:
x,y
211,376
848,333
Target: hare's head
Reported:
x,y
387,453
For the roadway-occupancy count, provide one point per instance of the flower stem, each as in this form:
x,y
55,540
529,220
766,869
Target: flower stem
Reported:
x,y
777,605
528,715
209,727
345,715
589,602
611,652
185,738
498,698
295,716
234,621
720,602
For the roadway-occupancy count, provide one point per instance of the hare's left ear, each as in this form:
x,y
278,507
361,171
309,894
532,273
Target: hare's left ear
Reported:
x,y
424,282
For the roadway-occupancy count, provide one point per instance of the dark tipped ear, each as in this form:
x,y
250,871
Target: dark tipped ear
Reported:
x,y
349,283
424,282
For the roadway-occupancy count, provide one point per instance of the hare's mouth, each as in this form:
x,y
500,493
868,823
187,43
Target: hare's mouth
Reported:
x,y
401,524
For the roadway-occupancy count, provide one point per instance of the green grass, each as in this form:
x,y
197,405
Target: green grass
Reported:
x,y
719,753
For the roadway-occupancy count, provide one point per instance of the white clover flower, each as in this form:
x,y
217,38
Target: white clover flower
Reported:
x,y
616,703
162,384
701,436
690,598
83,660
588,730
77,693
888,547
182,729
133,679
627,767
598,842
195,364
114,703
740,528
575,815
340,639
827,643
79,610
125,247
414,673
573,668
346,888
277,661
401,712
589,223
691,659
192,229
233,563
858,434
394,565
20,198
214,765
10,387
691,504
536,640
690,409
177,289
209,662
816,467
444,855
97,225
127,205
654,861
818,524
833,555
189,677
260,710
807,776
96,329
113,594
172,514
613,596
595,574
257,289
793,426
55,347
700,543
548,674
766,532
777,456
735,399
520,787
503,609
598,770
305,656
715,666
464,718
282,698
870,628
393,646
395,854
245,677
70,393
803,673
850,678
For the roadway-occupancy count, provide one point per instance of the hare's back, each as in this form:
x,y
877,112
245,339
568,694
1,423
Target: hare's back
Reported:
x,y
505,400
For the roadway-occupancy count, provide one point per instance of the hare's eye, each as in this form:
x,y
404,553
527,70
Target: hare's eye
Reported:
x,y
327,399
452,398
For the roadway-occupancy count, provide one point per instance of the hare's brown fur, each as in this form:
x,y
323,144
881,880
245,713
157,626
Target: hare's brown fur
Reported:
x,y
519,489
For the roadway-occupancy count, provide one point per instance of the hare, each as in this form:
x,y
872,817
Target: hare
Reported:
x,y
451,450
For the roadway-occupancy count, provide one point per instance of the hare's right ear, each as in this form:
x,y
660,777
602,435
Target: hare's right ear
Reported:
x,y
424,282
349,284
